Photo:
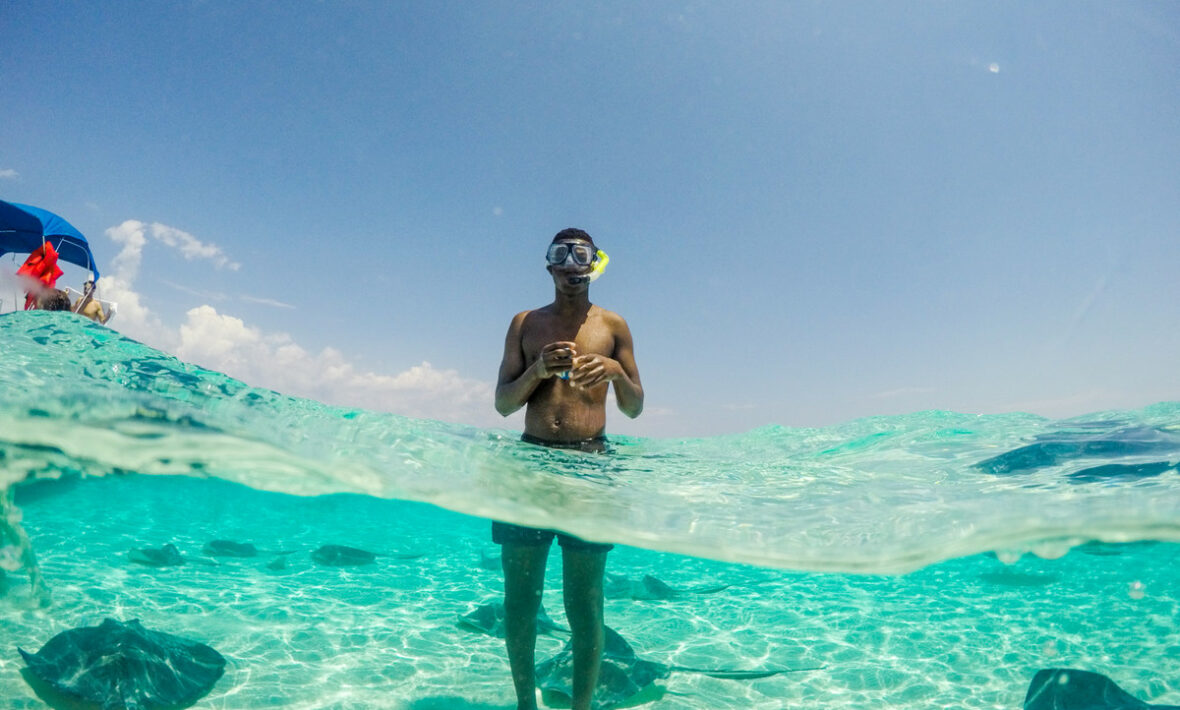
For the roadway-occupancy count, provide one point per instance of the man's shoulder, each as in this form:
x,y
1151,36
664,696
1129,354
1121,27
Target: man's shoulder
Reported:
x,y
608,316
530,319
524,314
532,312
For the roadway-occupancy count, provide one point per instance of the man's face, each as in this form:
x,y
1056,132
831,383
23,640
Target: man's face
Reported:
x,y
574,258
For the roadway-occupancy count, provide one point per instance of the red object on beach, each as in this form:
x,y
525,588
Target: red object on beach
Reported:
x,y
42,266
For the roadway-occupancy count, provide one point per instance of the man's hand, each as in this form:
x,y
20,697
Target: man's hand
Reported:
x,y
557,358
593,370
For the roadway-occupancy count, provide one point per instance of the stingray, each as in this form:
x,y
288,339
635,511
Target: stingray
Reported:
x,y
163,557
617,586
1061,447
345,556
342,556
124,666
166,556
230,548
1067,689
490,562
1121,472
624,679
489,619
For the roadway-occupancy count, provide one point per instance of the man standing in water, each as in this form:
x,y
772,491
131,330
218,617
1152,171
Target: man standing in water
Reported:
x,y
559,361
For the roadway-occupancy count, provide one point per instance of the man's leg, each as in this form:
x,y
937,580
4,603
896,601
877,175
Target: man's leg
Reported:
x,y
582,572
524,580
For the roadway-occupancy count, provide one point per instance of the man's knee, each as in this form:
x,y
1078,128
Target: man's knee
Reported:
x,y
584,612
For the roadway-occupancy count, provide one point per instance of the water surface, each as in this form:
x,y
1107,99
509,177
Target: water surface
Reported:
x,y
934,559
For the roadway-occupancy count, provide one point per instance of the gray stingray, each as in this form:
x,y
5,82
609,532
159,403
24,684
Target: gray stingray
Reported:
x,y
1068,689
490,562
624,679
617,586
345,556
489,619
1061,447
342,556
123,666
1121,472
166,556
229,548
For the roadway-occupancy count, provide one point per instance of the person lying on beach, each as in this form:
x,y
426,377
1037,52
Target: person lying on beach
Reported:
x,y
559,361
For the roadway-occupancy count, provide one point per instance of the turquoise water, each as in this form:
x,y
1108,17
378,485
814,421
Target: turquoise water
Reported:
x,y
928,560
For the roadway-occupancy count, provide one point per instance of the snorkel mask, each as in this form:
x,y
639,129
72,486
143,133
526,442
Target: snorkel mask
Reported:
x,y
581,255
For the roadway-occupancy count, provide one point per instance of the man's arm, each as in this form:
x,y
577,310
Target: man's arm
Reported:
x,y
628,389
517,382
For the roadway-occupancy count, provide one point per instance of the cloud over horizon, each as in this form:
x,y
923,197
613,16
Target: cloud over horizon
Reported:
x,y
227,344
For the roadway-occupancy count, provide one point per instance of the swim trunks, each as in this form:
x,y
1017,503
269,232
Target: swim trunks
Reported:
x,y
520,535
593,445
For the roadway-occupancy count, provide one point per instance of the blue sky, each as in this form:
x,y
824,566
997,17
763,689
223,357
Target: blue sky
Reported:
x,y
814,211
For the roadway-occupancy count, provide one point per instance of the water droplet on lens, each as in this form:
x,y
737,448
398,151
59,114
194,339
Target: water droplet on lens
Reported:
x,y
1008,557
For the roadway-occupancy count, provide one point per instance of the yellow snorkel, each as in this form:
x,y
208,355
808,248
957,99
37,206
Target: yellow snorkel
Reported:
x,y
600,262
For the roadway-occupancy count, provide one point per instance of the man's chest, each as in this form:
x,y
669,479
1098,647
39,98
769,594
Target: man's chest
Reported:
x,y
591,337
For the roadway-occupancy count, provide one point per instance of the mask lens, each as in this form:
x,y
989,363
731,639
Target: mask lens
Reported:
x,y
583,254
557,253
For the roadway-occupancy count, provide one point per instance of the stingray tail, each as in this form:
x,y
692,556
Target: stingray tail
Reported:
x,y
745,675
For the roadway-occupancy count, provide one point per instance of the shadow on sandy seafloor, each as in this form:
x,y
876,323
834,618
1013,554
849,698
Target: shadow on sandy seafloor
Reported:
x,y
453,703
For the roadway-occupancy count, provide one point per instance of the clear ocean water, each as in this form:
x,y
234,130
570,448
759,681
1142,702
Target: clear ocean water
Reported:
x,y
931,560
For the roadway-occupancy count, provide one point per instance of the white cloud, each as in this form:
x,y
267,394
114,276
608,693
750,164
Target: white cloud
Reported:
x,y
199,293
227,344
222,342
8,174
266,301
191,247
133,235
133,319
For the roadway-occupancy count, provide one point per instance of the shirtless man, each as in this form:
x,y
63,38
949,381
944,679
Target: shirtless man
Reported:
x,y
89,306
559,361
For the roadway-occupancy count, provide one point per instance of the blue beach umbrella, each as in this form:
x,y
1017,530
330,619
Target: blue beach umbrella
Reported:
x,y
23,229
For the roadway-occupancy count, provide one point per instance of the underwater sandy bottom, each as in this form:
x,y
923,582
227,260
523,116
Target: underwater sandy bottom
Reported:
x,y
966,633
